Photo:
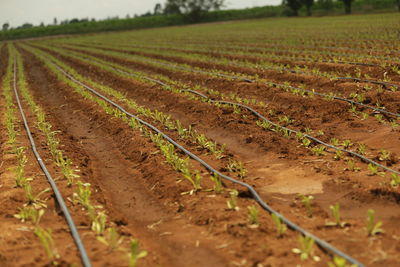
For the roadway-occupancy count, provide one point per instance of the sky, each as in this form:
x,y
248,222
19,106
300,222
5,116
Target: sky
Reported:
x,y
18,12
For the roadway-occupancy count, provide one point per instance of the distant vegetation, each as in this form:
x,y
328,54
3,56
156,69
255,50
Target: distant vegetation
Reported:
x,y
180,12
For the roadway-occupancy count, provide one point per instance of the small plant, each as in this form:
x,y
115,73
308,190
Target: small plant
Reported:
x,y
351,166
232,201
318,150
372,227
264,124
35,199
280,227
306,200
338,154
237,166
335,141
347,144
82,195
395,180
340,262
374,170
98,222
336,215
47,241
111,238
384,155
135,254
27,213
306,142
361,149
253,215
306,244
217,183
364,115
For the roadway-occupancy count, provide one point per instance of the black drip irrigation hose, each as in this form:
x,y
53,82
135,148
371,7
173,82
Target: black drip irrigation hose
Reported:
x,y
275,85
386,84
323,244
74,232
257,114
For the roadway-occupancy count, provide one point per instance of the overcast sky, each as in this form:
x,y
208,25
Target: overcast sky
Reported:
x,y
17,12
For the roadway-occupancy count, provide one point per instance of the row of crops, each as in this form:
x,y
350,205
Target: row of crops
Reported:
x,y
266,147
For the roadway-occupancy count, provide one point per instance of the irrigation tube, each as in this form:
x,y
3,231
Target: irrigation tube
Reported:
x,y
272,84
60,200
257,114
368,81
323,244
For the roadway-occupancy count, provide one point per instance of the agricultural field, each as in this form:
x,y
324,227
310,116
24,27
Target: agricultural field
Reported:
x,y
270,142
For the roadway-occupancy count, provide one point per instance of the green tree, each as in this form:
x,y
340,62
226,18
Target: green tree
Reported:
x,y
294,6
6,26
308,4
194,10
158,9
326,5
347,5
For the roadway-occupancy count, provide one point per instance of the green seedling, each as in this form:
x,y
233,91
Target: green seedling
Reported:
x,y
336,215
351,166
394,124
320,133
27,213
372,227
98,222
306,200
306,142
374,170
82,195
361,149
135,254
253,215
395,180
340,262
217,183
335,141
111,238
384,155
318,150
264,124
364,115
285,119
306,244
232,201
347,144
46,239
35,199
338,155
280,227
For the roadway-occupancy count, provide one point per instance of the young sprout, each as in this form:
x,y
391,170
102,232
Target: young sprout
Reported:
x,y
347,144
306,244
374,170
372,227
111,238
338,155
82,195
339,262
217,183
351,166
47,241
306,200
335,141
232,201
35,199
384,155
264,124
361,149
336,215
364,115
30,213
306,142
280,227
253,215
395,181
99,222
135,254
318,150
